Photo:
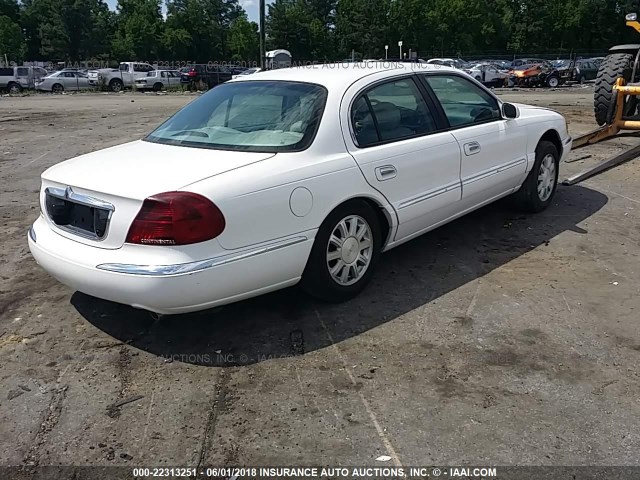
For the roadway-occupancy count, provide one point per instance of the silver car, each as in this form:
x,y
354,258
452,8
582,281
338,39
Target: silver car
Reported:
x,y
58,82
159,79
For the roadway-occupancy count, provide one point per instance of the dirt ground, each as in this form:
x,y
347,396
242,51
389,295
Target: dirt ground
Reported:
x,y
499,339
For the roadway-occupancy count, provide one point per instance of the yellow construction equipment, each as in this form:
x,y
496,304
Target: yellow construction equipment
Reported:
x,y
615,103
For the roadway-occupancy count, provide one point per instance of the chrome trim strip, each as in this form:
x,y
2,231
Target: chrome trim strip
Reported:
x,y
566,142
192,267
69,194
428,195
32,234
512,164
493,171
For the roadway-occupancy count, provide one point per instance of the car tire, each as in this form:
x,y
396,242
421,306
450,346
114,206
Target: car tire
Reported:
x,y
116,85
538,189
552,82
345,253
57,88
14,88
157,87
604,98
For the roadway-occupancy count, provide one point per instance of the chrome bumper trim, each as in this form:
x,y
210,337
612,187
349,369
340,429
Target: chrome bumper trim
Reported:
x,y
192,267
32,235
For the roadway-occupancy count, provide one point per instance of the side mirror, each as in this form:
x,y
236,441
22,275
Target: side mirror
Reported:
x,y
510,111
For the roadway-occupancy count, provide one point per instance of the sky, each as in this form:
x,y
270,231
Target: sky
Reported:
x,y
250,6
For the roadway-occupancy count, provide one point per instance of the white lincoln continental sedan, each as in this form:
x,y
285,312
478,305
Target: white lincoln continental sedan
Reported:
x,y
301,175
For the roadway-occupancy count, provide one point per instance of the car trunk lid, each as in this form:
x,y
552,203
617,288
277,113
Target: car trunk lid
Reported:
x,y
94,198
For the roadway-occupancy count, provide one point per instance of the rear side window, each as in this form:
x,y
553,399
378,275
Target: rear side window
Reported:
x,y
6,72
464,102
391,111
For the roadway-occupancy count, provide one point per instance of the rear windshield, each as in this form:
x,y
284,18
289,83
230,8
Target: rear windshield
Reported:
x,y
255,116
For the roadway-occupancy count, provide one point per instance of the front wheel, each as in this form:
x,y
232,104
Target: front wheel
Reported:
x,y
157,87
537,191
57,88
344,254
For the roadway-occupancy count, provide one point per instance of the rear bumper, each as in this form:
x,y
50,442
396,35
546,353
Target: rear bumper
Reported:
x,y
177,288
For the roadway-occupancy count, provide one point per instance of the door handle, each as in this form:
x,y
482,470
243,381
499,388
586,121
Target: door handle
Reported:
x,y
386,172
471,148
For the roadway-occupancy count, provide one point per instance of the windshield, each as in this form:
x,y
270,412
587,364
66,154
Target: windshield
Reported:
x,y
255,116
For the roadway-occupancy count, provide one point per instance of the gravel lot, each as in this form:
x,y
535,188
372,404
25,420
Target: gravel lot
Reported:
x,y
515,344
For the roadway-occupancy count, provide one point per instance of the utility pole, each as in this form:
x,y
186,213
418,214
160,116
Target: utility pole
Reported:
x,y
262,35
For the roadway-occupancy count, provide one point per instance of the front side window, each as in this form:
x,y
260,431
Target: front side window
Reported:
x,y
463,102
273,116
390,111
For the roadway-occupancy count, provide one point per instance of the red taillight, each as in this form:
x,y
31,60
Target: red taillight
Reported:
x,y
192,73
176,218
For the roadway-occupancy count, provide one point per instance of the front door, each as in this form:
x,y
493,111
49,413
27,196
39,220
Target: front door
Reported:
x,y
494,158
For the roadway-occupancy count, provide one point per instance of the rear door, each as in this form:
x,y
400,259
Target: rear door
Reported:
x,y
402,151
69,80
494,158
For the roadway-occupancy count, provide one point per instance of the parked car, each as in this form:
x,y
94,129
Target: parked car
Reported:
x,y
58,82
488,74
448,62
305,175
156,80
586,69
237,70
249,71
519,62
536,75
204,76
16,79
501,64
116,79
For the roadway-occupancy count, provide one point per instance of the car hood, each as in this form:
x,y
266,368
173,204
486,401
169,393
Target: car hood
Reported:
x,y
140,169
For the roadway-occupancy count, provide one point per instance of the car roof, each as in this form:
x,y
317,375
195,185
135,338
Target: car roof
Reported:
x,y
341,75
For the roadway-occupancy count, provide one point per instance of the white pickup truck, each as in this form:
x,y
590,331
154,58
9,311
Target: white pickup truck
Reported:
x,y
116,79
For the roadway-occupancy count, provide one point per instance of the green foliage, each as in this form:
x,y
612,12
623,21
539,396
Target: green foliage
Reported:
x,y
243,40
210,30
11,40
66,29
138,29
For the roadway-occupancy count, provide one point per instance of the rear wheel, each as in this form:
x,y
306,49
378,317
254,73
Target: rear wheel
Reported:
x,y
344,254
612,67
553,82
157,87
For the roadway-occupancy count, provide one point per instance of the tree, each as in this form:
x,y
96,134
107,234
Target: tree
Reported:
x,y
304,27
199,29
11,40
363,26
244,42
138,30
66,29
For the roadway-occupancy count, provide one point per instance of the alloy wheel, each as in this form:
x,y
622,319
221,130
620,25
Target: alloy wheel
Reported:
x,y
349,250
546,177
